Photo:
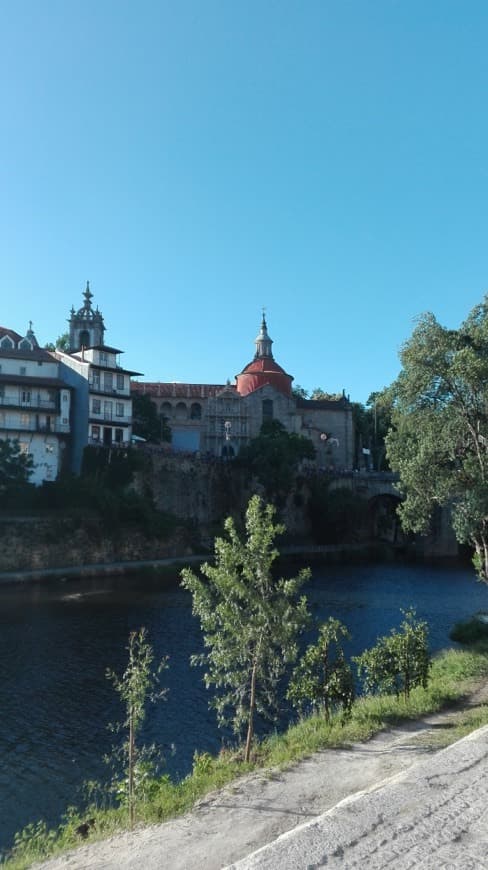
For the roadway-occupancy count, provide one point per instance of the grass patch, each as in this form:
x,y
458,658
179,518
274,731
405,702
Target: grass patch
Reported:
x,y
454,674
473,633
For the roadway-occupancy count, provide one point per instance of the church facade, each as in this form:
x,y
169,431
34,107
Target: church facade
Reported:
x,y
218,419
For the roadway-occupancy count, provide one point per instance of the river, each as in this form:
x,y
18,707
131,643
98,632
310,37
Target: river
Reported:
x,y
57,640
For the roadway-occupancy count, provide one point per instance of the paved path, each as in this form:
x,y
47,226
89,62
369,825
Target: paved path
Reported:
x,y
389,787
432,816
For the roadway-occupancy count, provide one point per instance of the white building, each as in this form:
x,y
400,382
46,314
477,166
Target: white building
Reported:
x,y
102,394
35,403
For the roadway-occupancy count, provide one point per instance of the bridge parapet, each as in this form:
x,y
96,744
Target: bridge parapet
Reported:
x,y
368,483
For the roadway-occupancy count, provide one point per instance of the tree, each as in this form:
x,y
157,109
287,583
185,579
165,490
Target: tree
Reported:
x,y
15,466
135,687
337,515
62,343
318,394
322,678
299,392
399,661
147,423
438,442
250,621
274,456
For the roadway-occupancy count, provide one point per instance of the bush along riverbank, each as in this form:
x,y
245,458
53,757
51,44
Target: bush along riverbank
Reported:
x,y
452,676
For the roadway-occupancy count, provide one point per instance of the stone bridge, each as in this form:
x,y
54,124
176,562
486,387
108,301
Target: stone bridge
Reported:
x,y
380,489
369,484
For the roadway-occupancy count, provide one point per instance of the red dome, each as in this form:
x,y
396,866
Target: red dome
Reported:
x,y
261,371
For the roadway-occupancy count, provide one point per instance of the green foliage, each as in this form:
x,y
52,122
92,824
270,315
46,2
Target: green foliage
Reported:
x,y
473,632
439,438
453,675
338,515
371,425
250,620
147,423
61,343
273,458
318,394
115,468
135,688
399,661
322,679
15,466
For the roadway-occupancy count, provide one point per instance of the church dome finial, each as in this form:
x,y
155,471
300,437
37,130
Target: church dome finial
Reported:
x,y
263,342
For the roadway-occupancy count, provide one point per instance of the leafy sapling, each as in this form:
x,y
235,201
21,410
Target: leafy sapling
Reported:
x,y
137,685
250,621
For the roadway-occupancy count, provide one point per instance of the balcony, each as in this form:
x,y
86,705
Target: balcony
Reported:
x,y
110,417
12,400
97,387
55,428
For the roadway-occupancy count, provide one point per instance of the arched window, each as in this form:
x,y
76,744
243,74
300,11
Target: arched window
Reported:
x,y
166,409
267,409
181,411
6,342
25,344
196,411
84,338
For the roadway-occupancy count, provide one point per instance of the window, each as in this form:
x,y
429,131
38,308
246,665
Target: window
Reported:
x,y
96,406
24,421
120,382
65,397
26,397
103,358
6,342
25,344
195,411
96,380
267,409
84,338
108,381
95,433
119,409
2,393
119,436
23,370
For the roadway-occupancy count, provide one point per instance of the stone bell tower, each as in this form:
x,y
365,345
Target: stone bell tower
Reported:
x,y
86,326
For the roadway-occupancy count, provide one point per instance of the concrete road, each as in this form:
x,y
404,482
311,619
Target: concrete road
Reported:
x,y
432,816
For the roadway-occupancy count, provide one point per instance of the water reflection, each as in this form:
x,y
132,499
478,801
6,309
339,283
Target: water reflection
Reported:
x,y
57,640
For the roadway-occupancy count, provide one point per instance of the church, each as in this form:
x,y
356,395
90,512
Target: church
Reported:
x,y
217,419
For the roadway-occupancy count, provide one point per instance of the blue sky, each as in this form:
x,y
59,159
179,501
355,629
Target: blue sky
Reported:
x,y
197,160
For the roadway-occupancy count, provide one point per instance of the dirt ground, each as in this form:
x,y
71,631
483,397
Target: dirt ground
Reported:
x,y
235,821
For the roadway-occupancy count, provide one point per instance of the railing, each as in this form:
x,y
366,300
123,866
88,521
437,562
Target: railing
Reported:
x,y
15,402
110,417
109,391
33,426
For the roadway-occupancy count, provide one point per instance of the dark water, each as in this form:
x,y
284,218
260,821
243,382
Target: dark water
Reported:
x,y
57,640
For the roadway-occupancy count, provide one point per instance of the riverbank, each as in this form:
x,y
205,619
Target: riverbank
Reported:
x,y
229,824
290,775
312,554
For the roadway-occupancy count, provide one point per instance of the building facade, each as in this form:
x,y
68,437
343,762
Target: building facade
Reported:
x,y
35,403
218,419
102,401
